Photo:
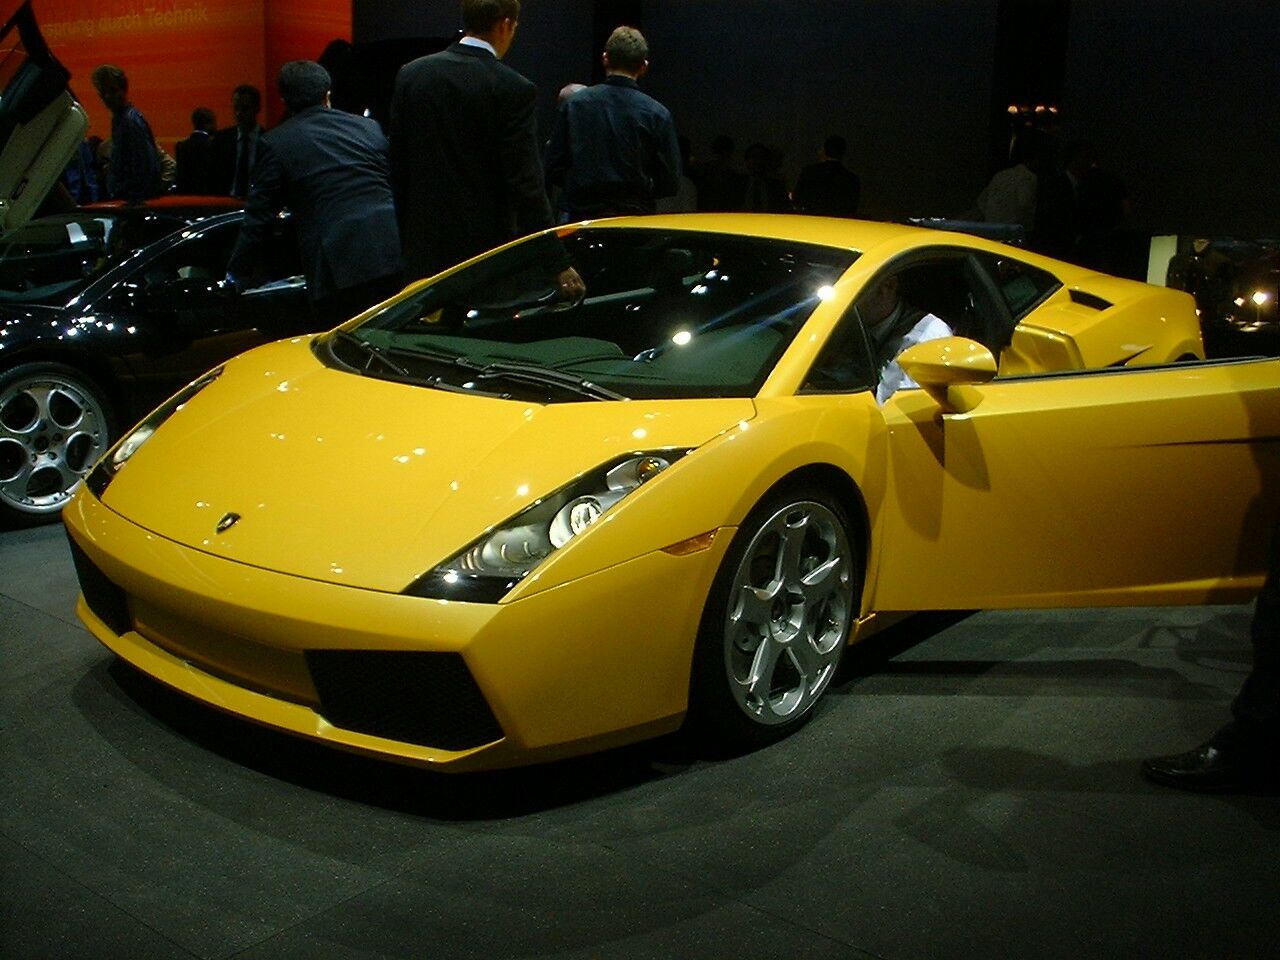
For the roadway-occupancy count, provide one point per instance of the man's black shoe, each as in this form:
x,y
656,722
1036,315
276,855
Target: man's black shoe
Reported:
x,y
1213,769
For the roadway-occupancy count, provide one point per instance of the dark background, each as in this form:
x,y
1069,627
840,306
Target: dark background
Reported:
x,y
1180,96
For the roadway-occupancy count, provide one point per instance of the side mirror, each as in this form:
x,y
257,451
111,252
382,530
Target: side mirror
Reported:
x,y
939,365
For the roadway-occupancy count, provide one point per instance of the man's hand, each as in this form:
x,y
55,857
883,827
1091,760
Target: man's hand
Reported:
x,y
571,285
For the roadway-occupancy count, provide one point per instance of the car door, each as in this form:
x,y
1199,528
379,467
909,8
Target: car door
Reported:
x,y
189,319
1121,486
41,125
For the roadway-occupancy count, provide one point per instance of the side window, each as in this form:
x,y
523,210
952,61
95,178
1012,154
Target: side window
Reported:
x,y
1023,287
203,257
844,365
906,304
942,288
134,233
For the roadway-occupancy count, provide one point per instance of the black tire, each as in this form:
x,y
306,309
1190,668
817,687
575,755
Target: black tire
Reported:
x,y
768,606
55,422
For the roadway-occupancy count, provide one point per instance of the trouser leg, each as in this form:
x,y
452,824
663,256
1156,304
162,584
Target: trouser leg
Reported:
x,y
1256,710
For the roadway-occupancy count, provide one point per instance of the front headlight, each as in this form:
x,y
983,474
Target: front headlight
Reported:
x,y
105,470
487,569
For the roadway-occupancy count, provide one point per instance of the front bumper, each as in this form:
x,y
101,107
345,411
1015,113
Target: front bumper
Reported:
x,y
597,662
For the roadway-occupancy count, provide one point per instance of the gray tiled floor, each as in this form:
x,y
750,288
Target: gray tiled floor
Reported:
x,y
969,790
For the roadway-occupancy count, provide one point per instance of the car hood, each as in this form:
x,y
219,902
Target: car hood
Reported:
x,y
369,483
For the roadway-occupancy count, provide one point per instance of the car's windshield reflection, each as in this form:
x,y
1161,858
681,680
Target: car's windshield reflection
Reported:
x,y
666,314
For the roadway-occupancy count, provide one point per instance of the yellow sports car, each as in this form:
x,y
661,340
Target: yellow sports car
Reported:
x,y
489,522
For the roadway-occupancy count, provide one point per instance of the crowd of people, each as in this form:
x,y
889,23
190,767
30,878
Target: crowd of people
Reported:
x,y
612,149
461,170
131,165
1061,200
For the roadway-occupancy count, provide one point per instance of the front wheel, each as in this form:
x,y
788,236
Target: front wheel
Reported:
x,y
777,619
54,424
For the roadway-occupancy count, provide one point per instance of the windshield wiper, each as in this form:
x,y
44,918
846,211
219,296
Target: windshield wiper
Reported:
x,y
371,353
482,370
419,351
533,373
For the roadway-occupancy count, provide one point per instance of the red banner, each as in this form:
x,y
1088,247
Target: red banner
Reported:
x,y
183,54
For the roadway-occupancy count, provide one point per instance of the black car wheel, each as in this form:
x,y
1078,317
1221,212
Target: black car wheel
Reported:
x,y
777,619
54,424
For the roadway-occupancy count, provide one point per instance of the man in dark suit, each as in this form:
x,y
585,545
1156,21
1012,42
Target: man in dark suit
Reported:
x,y
235,149
195,154
828,188
1056,229
133,170
331,170
464,149
721,183
613,148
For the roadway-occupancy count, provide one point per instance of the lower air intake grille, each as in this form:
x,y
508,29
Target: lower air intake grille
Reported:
x,y
105,599
424,698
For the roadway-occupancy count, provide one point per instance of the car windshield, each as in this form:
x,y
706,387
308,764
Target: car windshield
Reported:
x,y
52,258
667,313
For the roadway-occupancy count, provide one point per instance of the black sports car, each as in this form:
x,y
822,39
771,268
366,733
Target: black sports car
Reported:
x,y
73,373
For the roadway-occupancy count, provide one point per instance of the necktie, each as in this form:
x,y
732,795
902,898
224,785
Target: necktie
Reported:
x,y
240,187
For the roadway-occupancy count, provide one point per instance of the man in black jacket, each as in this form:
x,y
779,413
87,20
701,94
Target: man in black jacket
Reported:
x,y
331,170
235,149
195,154
614,148
464,149
828,188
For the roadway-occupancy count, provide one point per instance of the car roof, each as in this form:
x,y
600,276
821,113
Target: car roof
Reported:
x,y
861,236
826,231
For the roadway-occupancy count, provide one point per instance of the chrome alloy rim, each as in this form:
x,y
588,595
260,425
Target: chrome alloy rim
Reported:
x,y
789,612
51,432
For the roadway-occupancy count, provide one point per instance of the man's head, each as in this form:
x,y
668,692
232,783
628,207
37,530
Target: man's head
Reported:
x,y
246,102
1033,148
202,118
494,21
626,52
112,86
876,305
834,147
303,84
1079,157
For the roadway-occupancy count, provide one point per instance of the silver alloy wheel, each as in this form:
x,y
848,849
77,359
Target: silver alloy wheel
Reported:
x,y
789,612
52,430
